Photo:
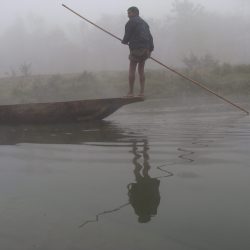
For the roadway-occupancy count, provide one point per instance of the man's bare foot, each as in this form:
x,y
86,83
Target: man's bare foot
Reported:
x,y
129,95
141,95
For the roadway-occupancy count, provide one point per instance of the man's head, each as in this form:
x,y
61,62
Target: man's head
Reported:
x,y
133,11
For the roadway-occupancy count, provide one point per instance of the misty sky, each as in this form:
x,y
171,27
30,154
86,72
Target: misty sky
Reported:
x,y
44,29
54,13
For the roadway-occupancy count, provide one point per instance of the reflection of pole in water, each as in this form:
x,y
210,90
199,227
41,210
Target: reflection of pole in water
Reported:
x,y
144,195
103,213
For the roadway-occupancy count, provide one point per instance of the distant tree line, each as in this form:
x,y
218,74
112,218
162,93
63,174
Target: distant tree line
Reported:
x,y
189,36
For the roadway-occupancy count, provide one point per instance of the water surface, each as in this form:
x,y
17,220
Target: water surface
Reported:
x,y
152,176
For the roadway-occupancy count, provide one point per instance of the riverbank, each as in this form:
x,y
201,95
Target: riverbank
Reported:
x,y
224,80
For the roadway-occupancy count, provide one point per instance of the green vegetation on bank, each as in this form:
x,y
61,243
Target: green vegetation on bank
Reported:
x,y
225,79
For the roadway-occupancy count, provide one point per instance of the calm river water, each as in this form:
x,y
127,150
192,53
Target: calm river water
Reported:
x,y
152,176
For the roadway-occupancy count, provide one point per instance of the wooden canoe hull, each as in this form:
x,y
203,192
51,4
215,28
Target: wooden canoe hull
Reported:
x,y
57,112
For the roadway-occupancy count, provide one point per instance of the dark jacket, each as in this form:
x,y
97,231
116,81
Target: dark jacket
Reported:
x,y
137,34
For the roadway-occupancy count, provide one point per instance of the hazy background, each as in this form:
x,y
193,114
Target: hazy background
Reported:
x,y
47,38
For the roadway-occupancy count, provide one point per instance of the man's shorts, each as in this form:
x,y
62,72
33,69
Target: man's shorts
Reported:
x,y
139,55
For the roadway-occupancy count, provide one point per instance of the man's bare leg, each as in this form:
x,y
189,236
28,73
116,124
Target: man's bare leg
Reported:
x,y
142,77
132,69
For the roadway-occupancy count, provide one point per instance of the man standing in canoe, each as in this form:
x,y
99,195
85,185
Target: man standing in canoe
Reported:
x,y
140,41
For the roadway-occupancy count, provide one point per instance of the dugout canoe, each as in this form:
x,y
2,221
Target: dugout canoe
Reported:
x,y
58,112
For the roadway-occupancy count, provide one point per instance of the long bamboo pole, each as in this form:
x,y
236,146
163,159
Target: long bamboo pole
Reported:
x,y
165,66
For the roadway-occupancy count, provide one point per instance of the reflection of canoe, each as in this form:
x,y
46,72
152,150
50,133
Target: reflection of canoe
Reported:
x,y
93,132
70,111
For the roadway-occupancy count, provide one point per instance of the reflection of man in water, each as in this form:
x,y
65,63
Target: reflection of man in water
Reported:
x,y
144,195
